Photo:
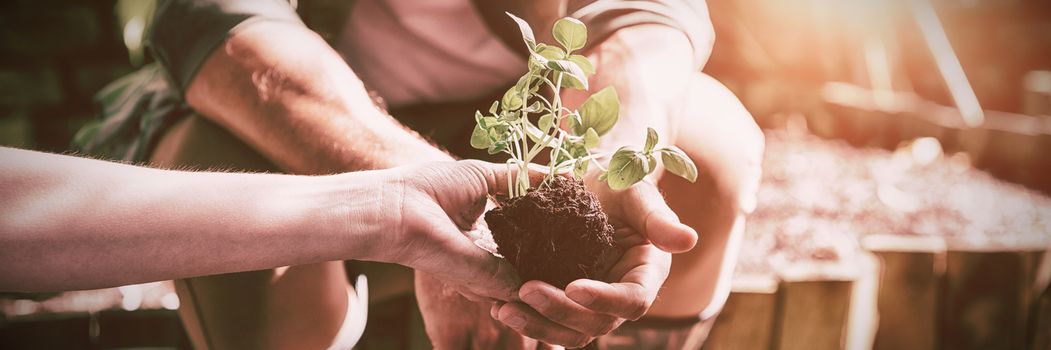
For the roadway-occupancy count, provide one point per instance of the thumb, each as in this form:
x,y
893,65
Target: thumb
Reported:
x,y
497,177
462,188
646,212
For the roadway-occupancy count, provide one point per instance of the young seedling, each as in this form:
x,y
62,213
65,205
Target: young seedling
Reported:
x,y
507,128
557,232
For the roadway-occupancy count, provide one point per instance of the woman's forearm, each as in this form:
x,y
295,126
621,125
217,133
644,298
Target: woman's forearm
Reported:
x,y
73,223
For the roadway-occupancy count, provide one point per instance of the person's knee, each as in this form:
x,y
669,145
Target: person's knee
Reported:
x,y
745,185
723,138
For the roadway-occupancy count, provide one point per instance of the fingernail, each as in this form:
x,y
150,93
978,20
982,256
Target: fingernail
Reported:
x,y
494,311
581,296
536,300
516,321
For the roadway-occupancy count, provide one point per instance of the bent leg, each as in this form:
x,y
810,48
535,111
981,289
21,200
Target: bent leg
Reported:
x,y
301,307
716,131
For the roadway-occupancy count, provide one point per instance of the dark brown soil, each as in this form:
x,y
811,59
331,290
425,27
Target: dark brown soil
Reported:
x,y
556,234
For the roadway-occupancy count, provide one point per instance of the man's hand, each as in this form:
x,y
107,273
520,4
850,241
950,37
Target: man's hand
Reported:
x,y
649,65
648,231
453,322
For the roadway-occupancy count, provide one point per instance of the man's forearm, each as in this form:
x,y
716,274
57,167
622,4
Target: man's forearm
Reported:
x,y
72,223
650,66
283,90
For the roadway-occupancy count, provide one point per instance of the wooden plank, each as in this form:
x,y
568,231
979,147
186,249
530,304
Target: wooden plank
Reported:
x,y
814,307
747,320
1041,326
908,301
1039,331
987,298
863,319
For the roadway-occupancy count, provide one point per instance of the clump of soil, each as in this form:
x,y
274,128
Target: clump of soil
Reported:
x,y
556,233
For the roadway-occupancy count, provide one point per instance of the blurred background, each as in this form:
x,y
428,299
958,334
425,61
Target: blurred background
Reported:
x,y
904,202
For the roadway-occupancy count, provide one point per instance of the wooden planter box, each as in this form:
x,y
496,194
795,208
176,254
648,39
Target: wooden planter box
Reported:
x,y
909,291
748,319
806,306
813,311
987,298
938,295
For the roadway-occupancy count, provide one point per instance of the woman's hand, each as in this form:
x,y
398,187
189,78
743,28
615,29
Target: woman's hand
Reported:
x,y
435,214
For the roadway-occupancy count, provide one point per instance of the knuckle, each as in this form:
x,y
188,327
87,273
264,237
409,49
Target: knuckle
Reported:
x,y
557,314
604,327
537,333
638,304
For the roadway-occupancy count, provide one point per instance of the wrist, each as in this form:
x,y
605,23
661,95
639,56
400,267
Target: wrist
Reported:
x,y
345,214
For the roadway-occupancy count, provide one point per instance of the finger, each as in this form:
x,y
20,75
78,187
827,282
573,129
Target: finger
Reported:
x,y
627,237
459,261
646,211
546,346
473,297
494,311
635,291
553,304
496,175
443,331
524,320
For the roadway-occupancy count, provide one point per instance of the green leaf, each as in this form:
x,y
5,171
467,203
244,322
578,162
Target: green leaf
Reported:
x,y
551,52
571,33
574,123
603,177
512,99
569,68
535,107
497,148
626,168
676,161
590,138
576,148
480,138
509,116
584,63
524,82
497,131
488,122
652,161
569,82
600,111
527,31
580,168
493,108
546,122
651,140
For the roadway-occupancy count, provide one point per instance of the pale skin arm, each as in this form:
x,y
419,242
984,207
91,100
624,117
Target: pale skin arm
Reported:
x,y
72,223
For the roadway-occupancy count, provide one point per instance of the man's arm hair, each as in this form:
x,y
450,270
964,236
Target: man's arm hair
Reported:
x,y
287,93
254,68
